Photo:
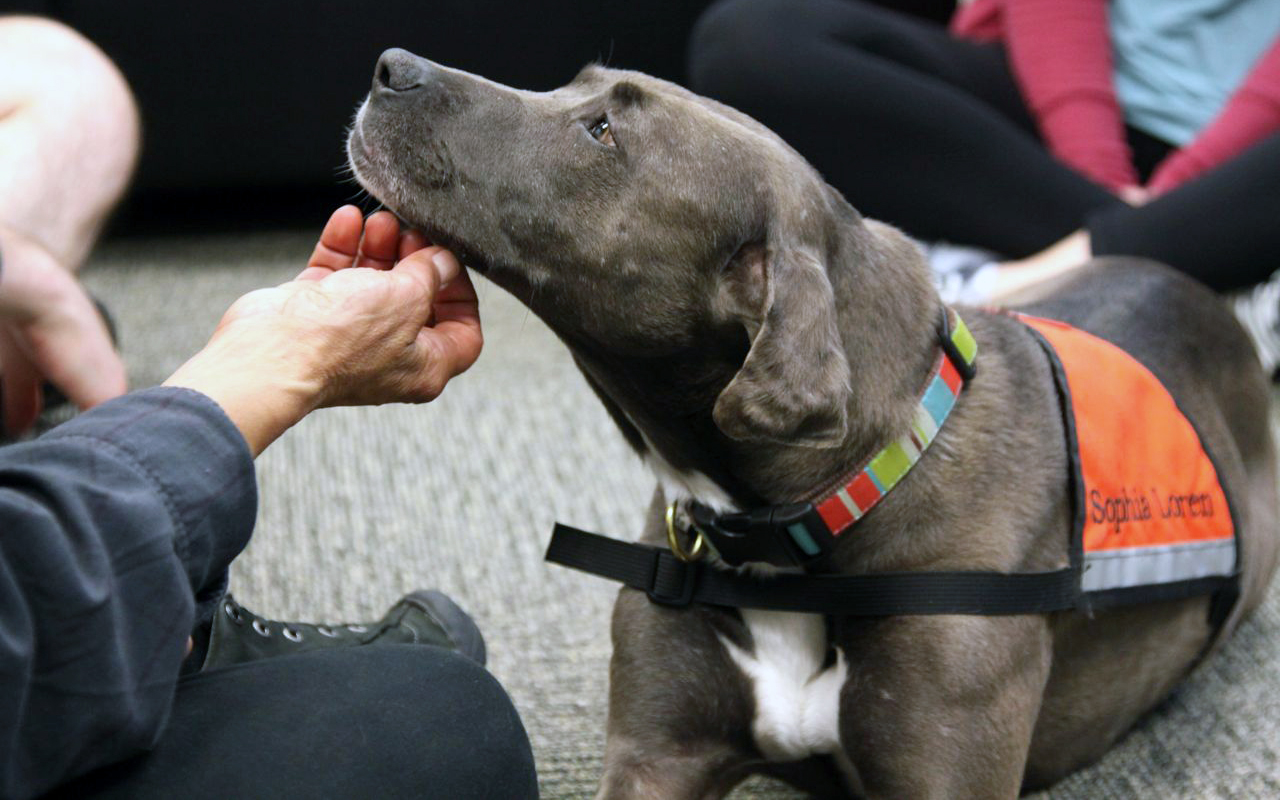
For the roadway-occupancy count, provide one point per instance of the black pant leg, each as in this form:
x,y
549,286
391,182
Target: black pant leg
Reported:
x,y
394,721
915,127
1222,228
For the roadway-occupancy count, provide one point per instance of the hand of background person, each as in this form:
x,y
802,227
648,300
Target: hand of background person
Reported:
x,y
51,332
1134,195
376,319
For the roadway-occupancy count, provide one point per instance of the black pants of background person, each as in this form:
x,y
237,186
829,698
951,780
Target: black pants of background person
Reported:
x,y
380,721
930,133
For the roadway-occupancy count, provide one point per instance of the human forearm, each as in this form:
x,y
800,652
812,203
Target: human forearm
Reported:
x,y
1252,114
264,390
1060,52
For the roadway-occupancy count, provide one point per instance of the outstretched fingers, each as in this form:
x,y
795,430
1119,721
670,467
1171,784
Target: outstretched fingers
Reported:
x,y
338,246
411,241
349,240
381,244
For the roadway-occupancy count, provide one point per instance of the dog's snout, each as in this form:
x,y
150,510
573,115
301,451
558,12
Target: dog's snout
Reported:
x,y
400,71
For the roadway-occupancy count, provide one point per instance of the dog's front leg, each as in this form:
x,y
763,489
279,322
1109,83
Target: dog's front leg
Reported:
x,y
942,707
679,710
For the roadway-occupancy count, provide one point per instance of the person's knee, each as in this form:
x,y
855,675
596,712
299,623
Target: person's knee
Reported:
x,y
497,735
69,136
468,731
376,721
740,48
733,41
72,84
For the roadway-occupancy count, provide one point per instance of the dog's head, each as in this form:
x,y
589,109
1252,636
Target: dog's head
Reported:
x,y
640,221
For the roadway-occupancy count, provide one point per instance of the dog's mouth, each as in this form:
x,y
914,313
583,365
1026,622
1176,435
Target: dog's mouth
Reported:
x,y
365,167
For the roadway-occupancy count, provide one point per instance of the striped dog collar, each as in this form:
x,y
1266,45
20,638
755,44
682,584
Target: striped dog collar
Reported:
x,y
797,533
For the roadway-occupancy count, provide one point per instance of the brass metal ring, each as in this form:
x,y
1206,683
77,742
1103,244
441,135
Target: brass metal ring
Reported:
x,y
673,539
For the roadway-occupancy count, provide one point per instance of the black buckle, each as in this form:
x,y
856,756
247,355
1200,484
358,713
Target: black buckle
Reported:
x,y
786,536
668,569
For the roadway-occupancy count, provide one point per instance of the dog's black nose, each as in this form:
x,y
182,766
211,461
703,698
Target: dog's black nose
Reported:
x,y
400,71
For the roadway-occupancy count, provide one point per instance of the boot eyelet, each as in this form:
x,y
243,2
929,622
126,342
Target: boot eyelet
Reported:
x,y
358,628
325,630
260,629
292,635
234,613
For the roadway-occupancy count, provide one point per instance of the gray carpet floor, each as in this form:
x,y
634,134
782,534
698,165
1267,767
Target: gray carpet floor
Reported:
x,y
360,506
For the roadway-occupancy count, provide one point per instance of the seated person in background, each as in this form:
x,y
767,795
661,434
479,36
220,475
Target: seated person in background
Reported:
x,y
1042,131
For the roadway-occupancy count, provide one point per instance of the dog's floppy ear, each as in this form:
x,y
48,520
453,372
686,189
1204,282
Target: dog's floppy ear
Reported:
x,y
793,386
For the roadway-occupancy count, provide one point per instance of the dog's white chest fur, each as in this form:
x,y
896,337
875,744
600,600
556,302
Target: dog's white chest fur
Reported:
x,y
797,700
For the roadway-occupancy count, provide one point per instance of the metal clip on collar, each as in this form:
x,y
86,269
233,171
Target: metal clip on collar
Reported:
x,y
673,539
790,535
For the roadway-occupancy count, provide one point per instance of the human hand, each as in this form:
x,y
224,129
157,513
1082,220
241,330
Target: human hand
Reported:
x,y
49,331
382,319
1134,195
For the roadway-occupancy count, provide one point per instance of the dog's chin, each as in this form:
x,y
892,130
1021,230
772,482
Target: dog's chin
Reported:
x,y
466,253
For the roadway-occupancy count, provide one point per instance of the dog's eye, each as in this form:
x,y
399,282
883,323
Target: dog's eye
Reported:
x,y
602,133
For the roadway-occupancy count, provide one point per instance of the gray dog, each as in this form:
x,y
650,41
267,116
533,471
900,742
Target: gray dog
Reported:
x,y
755,339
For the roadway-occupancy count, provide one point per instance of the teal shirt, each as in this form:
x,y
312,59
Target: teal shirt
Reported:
x,y
1177,62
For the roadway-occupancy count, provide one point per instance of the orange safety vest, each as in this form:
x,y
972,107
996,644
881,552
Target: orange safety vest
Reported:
x,y
1152,517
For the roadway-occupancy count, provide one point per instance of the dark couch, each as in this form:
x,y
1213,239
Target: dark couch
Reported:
x,y
245,104
244,98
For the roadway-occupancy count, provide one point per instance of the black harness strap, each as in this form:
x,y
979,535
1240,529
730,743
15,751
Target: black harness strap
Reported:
x,y
670,581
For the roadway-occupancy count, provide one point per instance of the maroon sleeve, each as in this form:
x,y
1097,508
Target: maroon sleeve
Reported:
x,y
1060,52
979,21
1251,113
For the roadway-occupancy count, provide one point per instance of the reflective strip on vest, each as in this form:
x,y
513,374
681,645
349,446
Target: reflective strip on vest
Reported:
x,y
1154,510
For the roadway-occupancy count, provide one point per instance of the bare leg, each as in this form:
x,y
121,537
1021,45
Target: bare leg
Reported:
x,y
69,136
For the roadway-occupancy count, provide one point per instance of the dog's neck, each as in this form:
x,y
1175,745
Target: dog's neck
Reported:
x,y
888,313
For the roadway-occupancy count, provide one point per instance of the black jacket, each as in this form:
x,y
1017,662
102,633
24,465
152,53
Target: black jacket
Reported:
x,y
115,527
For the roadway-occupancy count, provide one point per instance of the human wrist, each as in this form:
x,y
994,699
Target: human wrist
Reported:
x,y
264,391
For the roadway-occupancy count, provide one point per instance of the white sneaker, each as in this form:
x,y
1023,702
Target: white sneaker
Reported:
x,y
962,274
1258,310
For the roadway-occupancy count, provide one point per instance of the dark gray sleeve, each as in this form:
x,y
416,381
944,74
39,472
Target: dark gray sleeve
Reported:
x,y
109,526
